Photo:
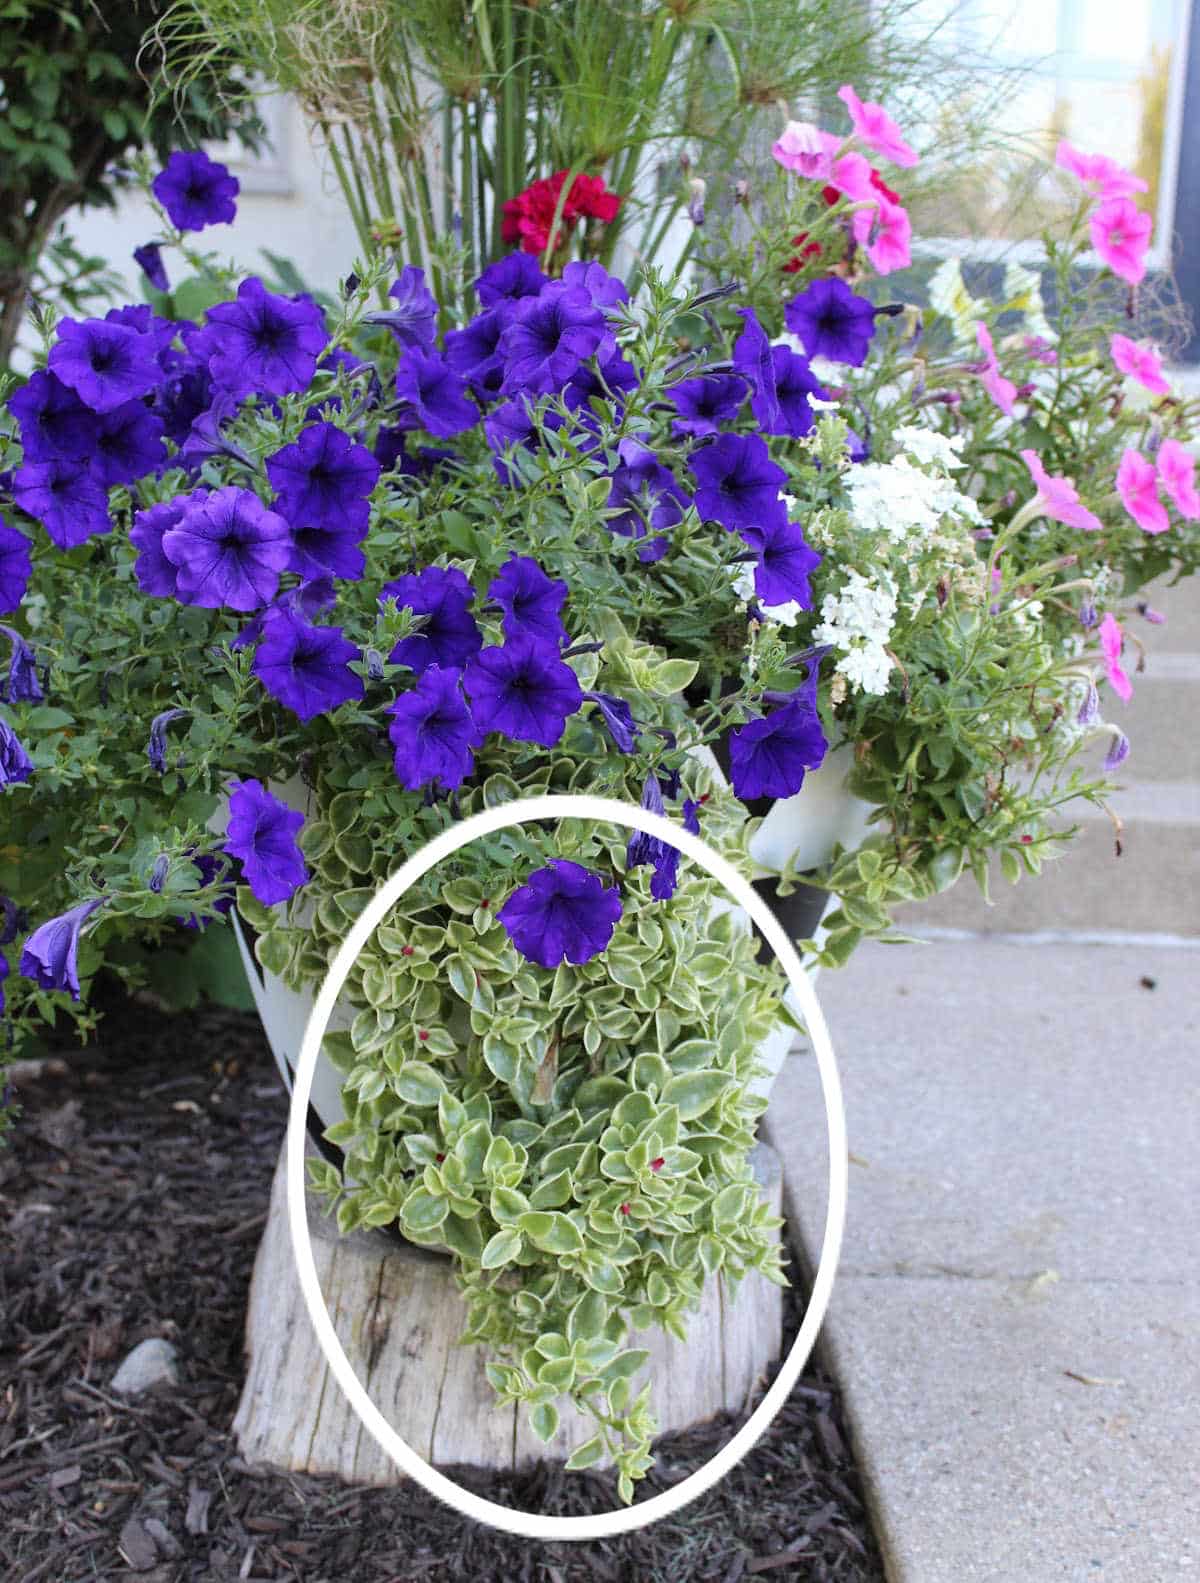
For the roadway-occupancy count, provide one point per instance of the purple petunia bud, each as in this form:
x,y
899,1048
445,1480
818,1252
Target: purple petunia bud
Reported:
x,y
1089,710
1148,613
23,685
158,873
1088,616
156,748
697,187
1118,752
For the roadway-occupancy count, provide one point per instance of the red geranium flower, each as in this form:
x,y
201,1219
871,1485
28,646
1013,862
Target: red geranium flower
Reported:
x,y
807,250
832,194
529,216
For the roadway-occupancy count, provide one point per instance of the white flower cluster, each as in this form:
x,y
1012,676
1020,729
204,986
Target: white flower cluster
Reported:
x,y
930,447
786,615
859,621
899,500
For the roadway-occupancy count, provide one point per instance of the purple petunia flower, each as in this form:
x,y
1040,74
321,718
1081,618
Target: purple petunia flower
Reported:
x,y
738,482
22,686
509,279
753,360
768,757
196,191
523,690
433,733
609,381
262,835
646,495
561,913
704,403
155,573
643,848
832,321
15,763
436,394
211,869
323,480
16,567
54,423
547,339
448,636
605,290
413,321
784,562
531,601
228,550
306,668
794,383
156,747
474,352
309,600
106,364
51,954
618,717
148,258
129,444
65,498
262,344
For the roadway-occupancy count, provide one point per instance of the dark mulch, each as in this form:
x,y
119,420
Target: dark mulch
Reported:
x,y
132,1197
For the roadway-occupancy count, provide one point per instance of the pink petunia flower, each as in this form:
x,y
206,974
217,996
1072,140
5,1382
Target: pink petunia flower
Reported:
x,y
884,228
1104,176
1177,474
877,129
1121,235
1002,391
1059,497
807,150
1137,485
1140,363
1112,641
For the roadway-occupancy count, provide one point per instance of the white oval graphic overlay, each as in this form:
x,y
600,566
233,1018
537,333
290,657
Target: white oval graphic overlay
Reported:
x,y
533,1525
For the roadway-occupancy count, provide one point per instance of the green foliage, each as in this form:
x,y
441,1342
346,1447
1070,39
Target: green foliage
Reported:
x,y
73,106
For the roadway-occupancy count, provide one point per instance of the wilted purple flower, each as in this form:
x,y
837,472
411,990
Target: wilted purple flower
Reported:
x,y
1118,752
51,954
645,492
506,427
547,338
158,874
23,686
306,668
691,816
697,192
413,321
262,344
3,976
605,290
618,717
211,869
105,364
196,191
16,567
156,748
148,258
784,562
323,479
228,550
262,834
155,573
704,403
509,279
53,422
531,601
448,636
129,444
12,920
563,912
436,394
15,763
523,690
1147,613
738,482
769,757
832,321
65,498
433,733
1089,709
474,352
794,383
643,848
753,360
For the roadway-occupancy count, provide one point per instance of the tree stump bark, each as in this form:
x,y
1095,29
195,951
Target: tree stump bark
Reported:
x,y
398,1316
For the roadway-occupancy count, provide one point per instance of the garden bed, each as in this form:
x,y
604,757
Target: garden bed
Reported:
x,y
133,1194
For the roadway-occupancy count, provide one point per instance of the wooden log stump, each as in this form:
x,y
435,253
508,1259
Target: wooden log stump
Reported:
x,y
398,1316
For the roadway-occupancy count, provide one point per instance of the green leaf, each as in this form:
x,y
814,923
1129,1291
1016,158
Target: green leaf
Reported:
x,y
423,1212
418,1084
274,951
550,1232
502,1249
695,1092
543,1420
586,1455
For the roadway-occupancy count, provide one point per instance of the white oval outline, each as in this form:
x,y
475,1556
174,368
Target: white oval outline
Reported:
x,y
532,1525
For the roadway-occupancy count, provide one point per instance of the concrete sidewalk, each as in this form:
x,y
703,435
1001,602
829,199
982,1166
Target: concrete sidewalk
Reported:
x,y
1016,1319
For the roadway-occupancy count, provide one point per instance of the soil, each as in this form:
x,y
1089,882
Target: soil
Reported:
x,y
132,1196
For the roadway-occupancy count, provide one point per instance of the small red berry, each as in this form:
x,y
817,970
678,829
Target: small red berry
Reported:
x,y
705,797
1026,840
406,950
657,1165
624,1209
439,1158
422,1034
485,902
